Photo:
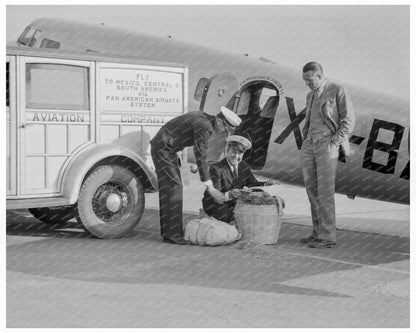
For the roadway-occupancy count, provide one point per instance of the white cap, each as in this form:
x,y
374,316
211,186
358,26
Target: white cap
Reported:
x,y
244,142
230,117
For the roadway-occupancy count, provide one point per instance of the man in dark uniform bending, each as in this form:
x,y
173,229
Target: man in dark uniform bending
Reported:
x,y
191,129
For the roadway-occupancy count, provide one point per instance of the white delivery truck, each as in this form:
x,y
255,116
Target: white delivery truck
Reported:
x,y
78,132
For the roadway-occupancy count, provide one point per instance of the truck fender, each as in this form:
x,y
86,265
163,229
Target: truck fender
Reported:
x,y
81,164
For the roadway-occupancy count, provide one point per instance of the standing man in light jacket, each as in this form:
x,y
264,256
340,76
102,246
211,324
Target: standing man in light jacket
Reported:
x,y
328,124
192,129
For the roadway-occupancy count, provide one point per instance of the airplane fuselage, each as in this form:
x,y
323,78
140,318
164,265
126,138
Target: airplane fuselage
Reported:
x,y
378,167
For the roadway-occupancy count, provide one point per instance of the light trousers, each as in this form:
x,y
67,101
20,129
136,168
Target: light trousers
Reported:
x,y
319,167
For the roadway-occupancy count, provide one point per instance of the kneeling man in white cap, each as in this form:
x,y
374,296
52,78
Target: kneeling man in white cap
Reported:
x,y
229,176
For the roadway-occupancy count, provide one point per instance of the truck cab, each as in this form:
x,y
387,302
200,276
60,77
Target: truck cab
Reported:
x,y
78,132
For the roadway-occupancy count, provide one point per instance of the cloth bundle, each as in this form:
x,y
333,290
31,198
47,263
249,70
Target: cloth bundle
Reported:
x,y
210,232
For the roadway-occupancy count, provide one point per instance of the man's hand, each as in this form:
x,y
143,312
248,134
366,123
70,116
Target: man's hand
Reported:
x,y
235,193
217,195
193,168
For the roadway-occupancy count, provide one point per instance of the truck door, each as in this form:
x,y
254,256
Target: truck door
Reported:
x,y
218,92
55,118
11,167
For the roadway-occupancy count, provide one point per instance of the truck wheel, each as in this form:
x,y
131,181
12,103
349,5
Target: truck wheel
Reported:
x,y
111,202
51,215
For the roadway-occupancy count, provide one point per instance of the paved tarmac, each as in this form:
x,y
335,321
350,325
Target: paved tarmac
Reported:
x,y
59,276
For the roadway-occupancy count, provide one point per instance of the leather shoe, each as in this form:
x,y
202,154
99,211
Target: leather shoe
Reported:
x,y
322,244
178,241
307,240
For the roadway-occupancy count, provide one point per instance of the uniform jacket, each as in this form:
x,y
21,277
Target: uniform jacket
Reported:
x,y
337,112
224,181
190,129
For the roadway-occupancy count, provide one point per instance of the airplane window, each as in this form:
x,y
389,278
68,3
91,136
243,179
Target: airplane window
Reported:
x,y
34,38
22,40
51,86
201,87
49,44
29,36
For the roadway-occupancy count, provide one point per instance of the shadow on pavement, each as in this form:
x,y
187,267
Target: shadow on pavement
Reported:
x,y
68,252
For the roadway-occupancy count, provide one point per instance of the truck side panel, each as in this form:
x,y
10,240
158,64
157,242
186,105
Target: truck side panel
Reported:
x,y
57,107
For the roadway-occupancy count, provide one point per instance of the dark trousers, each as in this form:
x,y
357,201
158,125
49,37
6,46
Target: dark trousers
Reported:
x,y
223,212
166,162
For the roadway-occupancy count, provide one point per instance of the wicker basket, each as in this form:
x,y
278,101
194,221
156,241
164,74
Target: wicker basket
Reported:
x,y
259,224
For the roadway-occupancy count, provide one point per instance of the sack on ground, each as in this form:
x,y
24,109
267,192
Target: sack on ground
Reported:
x,y
211,232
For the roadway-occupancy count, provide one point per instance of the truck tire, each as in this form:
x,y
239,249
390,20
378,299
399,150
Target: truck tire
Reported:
x,y
111,202
52,215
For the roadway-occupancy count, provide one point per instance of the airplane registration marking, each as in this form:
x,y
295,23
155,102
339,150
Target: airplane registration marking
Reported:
x,y
406,172
295,120
372,144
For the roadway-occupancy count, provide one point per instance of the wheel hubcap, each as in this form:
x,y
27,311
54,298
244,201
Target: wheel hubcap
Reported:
x,y
113,202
